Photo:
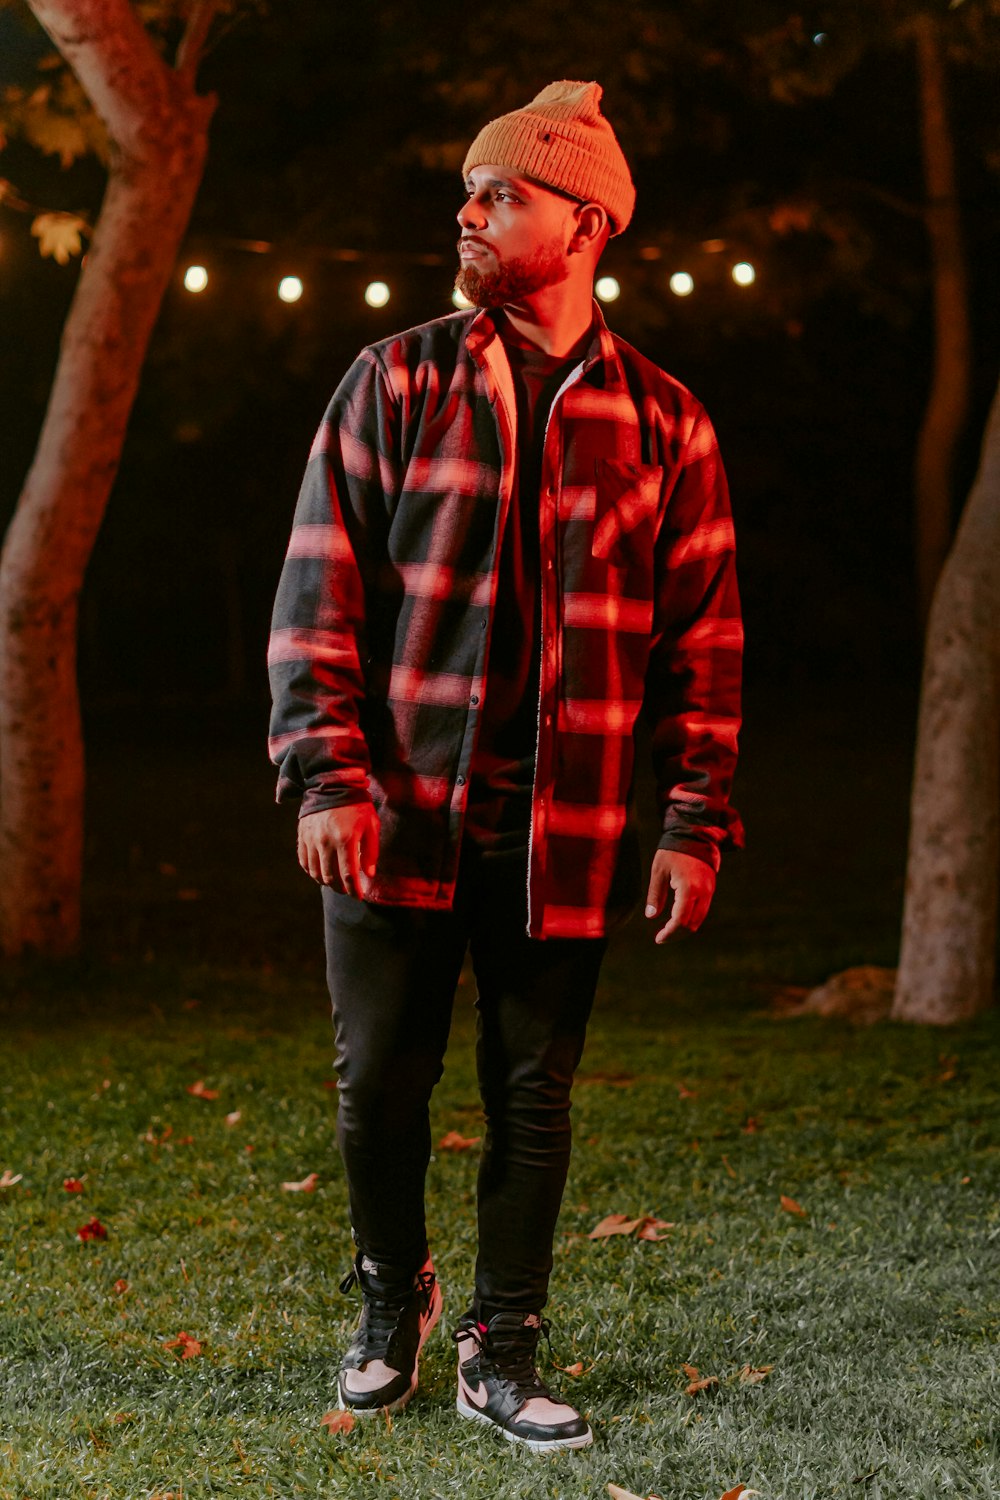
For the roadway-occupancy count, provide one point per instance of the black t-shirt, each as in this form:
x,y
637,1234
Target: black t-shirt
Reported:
x,y
503,766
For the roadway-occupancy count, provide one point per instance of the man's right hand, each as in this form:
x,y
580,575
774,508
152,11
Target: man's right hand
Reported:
x,y
339,846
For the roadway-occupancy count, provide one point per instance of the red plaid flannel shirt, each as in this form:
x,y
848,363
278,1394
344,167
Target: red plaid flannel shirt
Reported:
x,y
379,652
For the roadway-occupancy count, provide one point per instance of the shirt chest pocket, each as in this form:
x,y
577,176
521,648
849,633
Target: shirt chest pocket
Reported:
x,y
627,498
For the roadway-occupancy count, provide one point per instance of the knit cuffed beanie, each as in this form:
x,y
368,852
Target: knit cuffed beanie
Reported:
x,y
562,139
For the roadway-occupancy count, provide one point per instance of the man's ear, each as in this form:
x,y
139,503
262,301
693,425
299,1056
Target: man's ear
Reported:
x,y
593,229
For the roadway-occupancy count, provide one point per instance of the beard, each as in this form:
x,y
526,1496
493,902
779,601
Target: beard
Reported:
x,y
514,279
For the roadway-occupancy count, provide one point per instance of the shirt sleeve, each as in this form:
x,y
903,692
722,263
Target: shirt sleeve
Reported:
x,y
693,680
317,652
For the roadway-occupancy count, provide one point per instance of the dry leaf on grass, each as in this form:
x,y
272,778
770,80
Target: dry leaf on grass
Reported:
x,y
307,1185
120,1286
751,1374
187,1347
93,1230
73,1184
9,1178
617,1493
337,1421
622,1224
738,1492
790,1206
574,1370
683,1092
453,1141
235,1117
199,1090
698,1382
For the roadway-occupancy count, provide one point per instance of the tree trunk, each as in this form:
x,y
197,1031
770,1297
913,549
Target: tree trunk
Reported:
x,y
158,127
947,407
948,958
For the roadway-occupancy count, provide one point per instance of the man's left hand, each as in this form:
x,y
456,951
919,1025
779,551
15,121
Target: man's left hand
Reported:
x,y
693,884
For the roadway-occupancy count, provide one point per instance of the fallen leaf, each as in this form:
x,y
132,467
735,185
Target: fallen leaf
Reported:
x,y
617,1493
307,1185
94,1230
9,1178
737,1492
752,1374
199,1090
751,1126
120,1286
189,1347
701,1385
613,1224
683,1092
123,1416
691,1370
157,1140
790,1206
73,1184
574,1370
620,1224
650,1226
455,1142
337,1421
234,1117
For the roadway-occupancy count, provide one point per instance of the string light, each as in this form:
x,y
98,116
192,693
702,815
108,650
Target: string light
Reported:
x,y
744,273
195,279
608,289
681,284
377,294
290,289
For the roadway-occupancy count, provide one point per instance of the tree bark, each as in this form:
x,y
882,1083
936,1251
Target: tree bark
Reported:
x,y
159,128
948,958
947,407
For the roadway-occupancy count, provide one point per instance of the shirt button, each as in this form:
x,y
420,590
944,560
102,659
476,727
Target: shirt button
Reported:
x,y
474,699
459,780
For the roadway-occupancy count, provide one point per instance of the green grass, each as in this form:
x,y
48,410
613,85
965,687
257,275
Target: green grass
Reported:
x,y
878,1311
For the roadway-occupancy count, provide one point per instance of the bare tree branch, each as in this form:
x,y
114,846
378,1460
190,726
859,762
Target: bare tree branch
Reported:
x,y
192,43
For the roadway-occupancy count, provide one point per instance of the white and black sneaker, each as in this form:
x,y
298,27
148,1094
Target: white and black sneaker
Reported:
x,y
498,1383
379,1371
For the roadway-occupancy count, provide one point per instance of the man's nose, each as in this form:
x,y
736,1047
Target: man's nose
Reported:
x,y
472,214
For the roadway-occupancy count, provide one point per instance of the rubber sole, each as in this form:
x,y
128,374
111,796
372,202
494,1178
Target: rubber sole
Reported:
x,y
437,1303
537,1445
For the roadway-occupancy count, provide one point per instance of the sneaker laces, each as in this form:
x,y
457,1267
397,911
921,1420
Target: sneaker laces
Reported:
x,y
512,1354
381,1314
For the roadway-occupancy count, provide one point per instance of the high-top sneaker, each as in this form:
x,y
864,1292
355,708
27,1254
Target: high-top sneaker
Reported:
x,y
498,1383
379,1370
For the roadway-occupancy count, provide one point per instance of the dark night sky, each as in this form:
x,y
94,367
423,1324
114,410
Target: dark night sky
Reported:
x,y
814,377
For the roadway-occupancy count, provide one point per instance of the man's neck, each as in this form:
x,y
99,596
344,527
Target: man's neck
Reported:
x,y
556,320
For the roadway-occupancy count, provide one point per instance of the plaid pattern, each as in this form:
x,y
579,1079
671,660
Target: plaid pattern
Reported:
x,y
379,651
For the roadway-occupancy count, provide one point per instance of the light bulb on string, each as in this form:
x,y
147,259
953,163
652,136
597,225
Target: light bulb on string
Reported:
x,y
607,289
377,294
195,279
682,283
744,273
290,289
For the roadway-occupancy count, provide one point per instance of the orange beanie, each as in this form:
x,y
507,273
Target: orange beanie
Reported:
x,y
562,139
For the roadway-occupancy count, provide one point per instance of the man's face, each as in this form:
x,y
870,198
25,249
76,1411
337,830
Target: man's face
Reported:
x,y
515,234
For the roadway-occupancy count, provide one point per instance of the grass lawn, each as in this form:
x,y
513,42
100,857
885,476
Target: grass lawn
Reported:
x,y
874,1311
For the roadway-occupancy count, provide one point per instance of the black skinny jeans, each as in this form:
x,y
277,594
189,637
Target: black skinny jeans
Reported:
x,y
392,973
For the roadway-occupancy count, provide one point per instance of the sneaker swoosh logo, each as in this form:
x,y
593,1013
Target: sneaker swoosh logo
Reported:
x,y
478,1400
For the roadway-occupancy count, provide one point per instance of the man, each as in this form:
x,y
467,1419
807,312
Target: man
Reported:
x,y
513,534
